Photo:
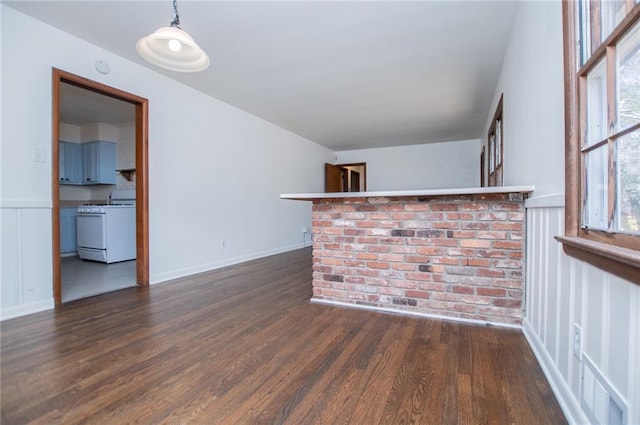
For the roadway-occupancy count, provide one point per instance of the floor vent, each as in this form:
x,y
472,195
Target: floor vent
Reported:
x,y
599,399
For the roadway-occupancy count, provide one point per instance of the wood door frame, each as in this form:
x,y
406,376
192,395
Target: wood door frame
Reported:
x,y
364,171
142,172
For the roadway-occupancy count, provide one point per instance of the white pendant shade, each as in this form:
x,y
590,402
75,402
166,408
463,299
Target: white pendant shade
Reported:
x,y
172,48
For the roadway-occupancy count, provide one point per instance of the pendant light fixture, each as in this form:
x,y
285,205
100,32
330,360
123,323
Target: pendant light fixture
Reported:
x,y
172,48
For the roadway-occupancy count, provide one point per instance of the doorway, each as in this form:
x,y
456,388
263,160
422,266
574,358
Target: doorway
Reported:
x,y
62,79
345,177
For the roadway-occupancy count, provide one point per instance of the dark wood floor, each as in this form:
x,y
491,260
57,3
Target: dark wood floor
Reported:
x,y
243,345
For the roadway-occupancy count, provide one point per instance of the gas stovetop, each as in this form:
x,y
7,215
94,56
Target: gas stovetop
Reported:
x,y
101,208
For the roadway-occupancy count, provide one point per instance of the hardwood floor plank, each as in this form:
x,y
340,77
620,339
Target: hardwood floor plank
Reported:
x,y
243,345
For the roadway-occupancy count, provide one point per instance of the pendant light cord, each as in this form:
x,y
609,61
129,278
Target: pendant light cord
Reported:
x,y
176,20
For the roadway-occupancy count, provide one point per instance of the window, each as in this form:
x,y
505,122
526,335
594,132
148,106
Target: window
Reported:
x,y
495,139
602,114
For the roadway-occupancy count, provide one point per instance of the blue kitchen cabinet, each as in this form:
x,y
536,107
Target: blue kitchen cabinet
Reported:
x,y
70,157
99,162
68,240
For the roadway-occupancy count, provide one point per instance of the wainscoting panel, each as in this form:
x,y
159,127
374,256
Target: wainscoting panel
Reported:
x,y
26,285
565,296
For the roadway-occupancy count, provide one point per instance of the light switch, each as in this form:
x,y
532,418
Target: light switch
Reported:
x,y
39,155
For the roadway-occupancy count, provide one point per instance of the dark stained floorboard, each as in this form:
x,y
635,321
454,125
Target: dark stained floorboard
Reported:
x,y
243,345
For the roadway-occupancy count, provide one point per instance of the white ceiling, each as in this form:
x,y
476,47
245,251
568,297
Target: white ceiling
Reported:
x,y
347,75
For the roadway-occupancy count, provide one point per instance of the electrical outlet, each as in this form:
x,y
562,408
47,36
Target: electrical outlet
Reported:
x,y
577,340
223,244
304,230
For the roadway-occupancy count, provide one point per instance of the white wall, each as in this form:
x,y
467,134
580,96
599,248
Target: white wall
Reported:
x,y
560,291
197,145
427,166
533,104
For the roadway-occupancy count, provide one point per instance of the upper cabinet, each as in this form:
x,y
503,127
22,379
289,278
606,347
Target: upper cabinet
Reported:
x,y
70,156
87,163
99,163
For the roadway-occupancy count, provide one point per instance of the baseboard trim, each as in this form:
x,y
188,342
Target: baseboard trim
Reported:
x,y
415,313
24,309
568,403
188,271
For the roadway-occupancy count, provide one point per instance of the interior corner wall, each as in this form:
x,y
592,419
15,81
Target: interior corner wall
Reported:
x,y
560,291
426,166
215,172
531,81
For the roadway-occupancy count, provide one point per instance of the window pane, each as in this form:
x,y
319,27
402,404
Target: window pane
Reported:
x,y
595,211
629,79
498,142
597,104
492,154
629,183
583,35
612,14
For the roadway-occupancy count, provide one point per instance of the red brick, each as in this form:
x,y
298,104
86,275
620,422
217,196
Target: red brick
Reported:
x,y
503,302
507,245
462,289
378,248
445,206
466,234
470,206
379,216
366,256
417,207
490,272
378,265
475,243
419,276
391,257
371,240
507,206
430,251
459,216
446,242
515,226
491,292
431,286
402,216
332,246
332,261
476,262
416,294
416,259
355,232
403,267
367,223
343,207
492,235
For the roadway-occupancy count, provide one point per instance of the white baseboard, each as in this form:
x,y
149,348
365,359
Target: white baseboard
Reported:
x,y
24,309
415,313
568,403
188,271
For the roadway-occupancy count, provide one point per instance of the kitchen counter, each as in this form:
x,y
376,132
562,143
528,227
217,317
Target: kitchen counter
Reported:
x,y
456,253
415,192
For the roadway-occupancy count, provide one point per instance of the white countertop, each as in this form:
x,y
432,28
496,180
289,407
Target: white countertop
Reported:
x,y
415,192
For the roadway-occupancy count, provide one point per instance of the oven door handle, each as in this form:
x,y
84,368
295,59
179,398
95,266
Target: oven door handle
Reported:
x,y
90,214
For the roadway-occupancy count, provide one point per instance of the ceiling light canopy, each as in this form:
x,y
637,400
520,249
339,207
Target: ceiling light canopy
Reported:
x,y
173,48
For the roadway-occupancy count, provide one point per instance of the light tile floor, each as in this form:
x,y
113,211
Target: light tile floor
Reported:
x,y
81,278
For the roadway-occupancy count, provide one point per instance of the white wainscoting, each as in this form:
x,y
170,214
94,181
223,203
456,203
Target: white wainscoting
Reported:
x,y
26,270
562,292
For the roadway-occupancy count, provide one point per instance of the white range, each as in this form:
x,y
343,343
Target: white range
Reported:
x,y
107,233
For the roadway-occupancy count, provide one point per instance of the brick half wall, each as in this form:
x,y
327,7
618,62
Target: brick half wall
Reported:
x,y
456,256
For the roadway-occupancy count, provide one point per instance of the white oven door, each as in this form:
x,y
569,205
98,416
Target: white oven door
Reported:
x,y
92,231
